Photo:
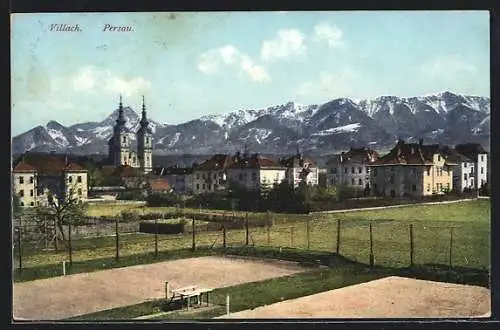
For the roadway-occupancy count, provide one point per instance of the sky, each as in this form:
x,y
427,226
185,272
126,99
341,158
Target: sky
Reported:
x,y
191,64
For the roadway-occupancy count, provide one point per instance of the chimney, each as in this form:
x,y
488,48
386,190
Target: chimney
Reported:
x,y
421,142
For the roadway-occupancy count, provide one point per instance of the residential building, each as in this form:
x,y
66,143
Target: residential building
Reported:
x,y
179,178
157,186
476,153
120,148
300,169
255,172
210,175
464,173
37,175
412,170
351,168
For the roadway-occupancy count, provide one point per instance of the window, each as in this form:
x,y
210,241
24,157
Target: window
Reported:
x,y
31,179
375,171
32,204
197,186
215,176
360,182
439,158
345,170
428,187
215,186
21,179
241,176
79,191
254,176
147,140
482,170
22,203
360,170
209,186
203,186
482,158
352,169
203,175
21,193
428,171
465,164
334,170
79,179
352,182
413,187
197,177
31,192
465,176
124,139
392,179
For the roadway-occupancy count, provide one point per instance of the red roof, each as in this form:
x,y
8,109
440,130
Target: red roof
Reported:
x,y
255,161
409,154
23,167
125,171
159,184
217,162
46,164
365,156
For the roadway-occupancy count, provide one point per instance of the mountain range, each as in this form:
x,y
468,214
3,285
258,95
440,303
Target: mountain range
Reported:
x,y
318,129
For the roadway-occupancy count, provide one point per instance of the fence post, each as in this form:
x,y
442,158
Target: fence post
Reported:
x,y
117,256
338,237
411,245
70,248
227,304
193,229
246,228
224,235
308,234
156,237
19,248
291,236
451,246
268,229
371,246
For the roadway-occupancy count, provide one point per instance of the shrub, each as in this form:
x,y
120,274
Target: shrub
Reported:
x,y
129,216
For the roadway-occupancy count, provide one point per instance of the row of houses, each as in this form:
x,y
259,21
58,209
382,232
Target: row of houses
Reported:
x,y
409,169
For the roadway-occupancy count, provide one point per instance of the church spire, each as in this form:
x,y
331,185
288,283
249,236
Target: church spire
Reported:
x,y
121,118
144,119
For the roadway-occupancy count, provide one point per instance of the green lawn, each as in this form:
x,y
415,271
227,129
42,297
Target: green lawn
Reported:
x,y
391,242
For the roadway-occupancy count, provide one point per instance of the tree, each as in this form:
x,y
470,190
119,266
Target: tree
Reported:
x,y
62,210
17,209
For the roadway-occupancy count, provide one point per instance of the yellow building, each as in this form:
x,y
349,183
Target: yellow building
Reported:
x,y
38,174
412,170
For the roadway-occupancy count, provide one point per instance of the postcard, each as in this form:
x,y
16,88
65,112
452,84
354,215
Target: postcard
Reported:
x,y
250,165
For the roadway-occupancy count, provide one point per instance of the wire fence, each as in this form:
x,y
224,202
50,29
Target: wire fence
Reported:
x,y
378,242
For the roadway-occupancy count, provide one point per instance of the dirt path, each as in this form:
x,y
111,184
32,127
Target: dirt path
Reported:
x,y
73,295
391,297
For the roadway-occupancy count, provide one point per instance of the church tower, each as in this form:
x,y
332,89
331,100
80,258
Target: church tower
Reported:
x,y
119,144
145,142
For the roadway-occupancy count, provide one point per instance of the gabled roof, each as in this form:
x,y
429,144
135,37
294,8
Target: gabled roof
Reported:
x,y
470,150
361,155
254,162
297,161
125,171
24,168
172,170
158,184
46,164
217,162
410,154
453,156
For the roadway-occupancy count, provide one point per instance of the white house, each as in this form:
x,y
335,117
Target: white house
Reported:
x,y
477,157
300,169
255,172
351,168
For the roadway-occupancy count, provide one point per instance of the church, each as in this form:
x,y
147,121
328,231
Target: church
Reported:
x,y
120,144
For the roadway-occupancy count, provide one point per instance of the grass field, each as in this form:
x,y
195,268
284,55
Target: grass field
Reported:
x,y
391,243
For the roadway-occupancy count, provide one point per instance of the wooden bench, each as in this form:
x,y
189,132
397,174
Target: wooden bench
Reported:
x,y
186,293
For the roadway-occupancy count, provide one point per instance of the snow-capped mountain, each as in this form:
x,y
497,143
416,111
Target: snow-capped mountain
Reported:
x,y
446,118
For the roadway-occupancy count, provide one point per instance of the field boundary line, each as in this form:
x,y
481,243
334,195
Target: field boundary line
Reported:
x,y
393,206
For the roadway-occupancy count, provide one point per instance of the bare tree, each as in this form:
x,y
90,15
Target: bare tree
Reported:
x,y
62,210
